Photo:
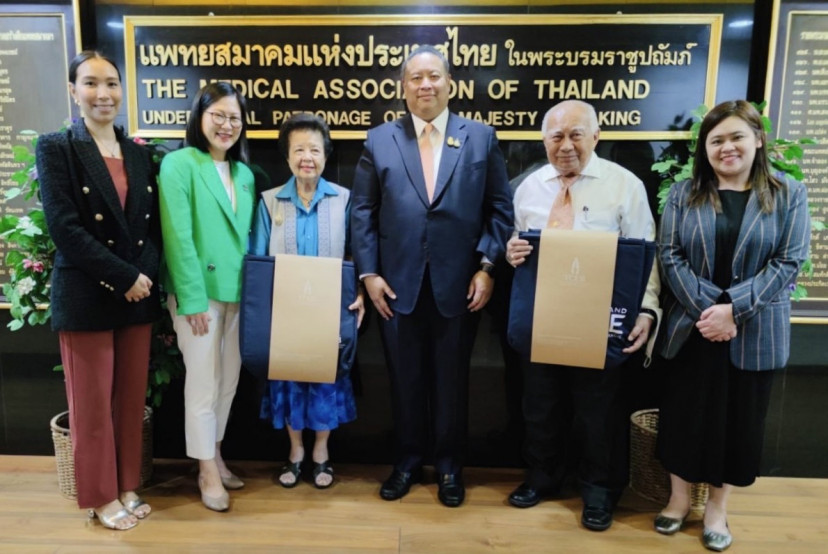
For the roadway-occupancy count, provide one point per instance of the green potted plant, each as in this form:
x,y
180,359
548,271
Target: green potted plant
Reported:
x,y
675,164
30,250
30,259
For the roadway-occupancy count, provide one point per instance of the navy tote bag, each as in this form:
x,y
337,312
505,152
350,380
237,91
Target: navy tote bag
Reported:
x,y
633,263
255,316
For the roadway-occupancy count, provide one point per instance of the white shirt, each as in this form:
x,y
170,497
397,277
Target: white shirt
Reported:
x,y
605,197
223,169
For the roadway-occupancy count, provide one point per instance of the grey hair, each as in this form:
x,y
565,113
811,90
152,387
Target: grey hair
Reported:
x,y
590,109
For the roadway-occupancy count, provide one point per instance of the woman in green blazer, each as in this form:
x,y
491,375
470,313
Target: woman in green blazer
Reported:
x,y
207,194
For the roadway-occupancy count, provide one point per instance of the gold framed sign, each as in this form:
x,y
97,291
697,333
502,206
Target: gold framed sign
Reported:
x,y
30,100
797,95
507,70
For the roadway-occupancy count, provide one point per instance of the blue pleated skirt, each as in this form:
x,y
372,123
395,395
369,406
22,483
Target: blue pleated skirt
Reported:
x,y
315,406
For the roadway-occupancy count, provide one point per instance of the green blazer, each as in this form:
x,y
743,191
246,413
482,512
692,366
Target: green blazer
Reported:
x,y
204,241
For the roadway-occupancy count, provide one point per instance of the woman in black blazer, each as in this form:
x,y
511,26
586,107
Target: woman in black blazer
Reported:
x,y
100,201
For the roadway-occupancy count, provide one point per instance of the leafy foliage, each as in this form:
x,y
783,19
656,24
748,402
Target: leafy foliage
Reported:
x,y
30,248
30,260
676,163
166,361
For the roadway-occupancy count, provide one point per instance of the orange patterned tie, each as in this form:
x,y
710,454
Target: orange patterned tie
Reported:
x,y
427,158
562,214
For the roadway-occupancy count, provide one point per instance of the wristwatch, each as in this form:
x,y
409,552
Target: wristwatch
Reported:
x,y
650,312
487,268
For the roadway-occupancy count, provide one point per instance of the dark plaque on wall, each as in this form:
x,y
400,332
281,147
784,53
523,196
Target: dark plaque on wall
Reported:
x,y
799,108
33,93
638,70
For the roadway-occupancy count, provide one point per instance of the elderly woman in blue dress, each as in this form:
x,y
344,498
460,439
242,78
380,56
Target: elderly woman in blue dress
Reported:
x,y
306,216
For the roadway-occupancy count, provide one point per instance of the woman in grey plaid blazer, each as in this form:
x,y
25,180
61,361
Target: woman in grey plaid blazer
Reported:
x,y
731,242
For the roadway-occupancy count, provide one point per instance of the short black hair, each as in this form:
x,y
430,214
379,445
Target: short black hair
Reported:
x,y
85,56
206,97
302,121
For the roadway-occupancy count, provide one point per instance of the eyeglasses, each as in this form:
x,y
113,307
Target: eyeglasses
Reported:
x,y
220,118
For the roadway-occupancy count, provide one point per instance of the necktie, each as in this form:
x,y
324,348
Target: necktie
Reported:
x,y
427,159
562,214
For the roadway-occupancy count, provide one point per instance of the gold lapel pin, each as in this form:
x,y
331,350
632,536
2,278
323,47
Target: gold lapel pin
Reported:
x,y
453,142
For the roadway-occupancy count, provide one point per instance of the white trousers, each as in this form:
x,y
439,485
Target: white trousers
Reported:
x,y
213,363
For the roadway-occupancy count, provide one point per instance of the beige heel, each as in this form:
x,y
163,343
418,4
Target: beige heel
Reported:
x,y
220,503
232,483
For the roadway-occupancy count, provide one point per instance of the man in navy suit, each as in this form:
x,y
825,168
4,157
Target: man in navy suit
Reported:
x,y
431,212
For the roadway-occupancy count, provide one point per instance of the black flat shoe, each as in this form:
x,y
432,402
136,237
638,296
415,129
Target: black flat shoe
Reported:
x,y
718,542
526,496
668,525
596,518
451,490
399,483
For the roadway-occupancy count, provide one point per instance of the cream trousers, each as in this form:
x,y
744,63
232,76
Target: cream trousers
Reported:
x,y
213,363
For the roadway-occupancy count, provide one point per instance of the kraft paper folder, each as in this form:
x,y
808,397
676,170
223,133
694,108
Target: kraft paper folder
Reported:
x,y
304,333
573,297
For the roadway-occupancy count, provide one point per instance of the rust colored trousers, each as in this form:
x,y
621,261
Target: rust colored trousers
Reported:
x,y
106,385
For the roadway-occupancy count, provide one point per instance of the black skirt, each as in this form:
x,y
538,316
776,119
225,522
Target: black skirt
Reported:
x,y
712,416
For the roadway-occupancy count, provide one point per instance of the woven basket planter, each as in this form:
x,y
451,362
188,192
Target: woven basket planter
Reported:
x,y
65,460
648,477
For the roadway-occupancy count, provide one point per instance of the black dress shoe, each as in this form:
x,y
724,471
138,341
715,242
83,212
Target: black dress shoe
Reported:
x,y
399,483
596,518
451,491
525,496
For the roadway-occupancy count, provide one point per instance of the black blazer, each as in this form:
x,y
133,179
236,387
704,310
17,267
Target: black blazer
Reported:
x,y
101,248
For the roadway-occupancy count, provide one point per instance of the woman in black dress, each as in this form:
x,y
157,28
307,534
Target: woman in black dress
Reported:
x,y
731,242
